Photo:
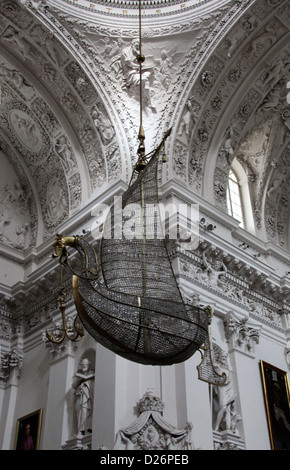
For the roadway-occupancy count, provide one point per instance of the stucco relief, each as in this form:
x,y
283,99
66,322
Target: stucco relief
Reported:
x,y
5,329
233,280
26,130
115,66
15,221
11,366
252,41
268,123
49,63
56,201
241,334
150,431
17,40
31,140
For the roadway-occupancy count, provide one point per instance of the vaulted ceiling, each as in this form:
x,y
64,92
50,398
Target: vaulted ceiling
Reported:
x,y
215,71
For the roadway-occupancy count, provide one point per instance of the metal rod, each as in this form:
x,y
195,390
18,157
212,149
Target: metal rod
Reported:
x,y
140,64
141,136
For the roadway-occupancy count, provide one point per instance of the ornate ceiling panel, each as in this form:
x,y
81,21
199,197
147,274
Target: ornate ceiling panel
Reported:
x,y
237,108
54,127
69,116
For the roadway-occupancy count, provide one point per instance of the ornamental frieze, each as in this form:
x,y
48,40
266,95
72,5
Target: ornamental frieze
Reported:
x,y
231,279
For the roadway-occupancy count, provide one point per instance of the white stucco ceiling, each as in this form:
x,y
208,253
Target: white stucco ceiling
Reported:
x,y
69,120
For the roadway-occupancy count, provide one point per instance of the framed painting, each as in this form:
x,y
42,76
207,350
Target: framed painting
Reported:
x,y
28,431
277,401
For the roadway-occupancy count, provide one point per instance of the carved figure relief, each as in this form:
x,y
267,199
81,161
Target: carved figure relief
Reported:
x,y
56,200
265,39
15,221
130,69
237,37
189,118
14,76
26,130
80,82
46,40
64,151
18,41
213,270
103,125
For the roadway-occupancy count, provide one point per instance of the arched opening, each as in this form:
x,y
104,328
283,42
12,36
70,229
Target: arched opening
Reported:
x,y
238,197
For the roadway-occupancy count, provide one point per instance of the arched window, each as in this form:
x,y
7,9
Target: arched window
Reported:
x,y
234,201
238,197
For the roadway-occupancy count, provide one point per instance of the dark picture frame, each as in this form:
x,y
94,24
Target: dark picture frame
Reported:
x,y
277,401
28,431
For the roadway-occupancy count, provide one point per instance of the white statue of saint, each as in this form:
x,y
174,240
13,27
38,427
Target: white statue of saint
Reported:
x,y
83,384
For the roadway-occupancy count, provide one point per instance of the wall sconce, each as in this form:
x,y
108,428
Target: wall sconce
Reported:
x,y
206,226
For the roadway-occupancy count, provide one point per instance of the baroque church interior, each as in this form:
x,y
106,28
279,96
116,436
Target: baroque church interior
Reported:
x,y
217,73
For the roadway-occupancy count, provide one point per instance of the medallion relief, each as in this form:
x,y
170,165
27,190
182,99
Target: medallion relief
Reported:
x,y
26,130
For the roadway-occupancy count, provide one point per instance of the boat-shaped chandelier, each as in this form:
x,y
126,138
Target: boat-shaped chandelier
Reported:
x,y
127,296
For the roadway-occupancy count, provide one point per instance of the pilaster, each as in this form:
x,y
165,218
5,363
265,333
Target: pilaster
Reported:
x,y
59,402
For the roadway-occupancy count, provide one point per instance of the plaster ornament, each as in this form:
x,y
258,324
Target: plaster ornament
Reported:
x,y
11,365
151,432
265,39
48,44
276,183
56,200
64,151
188,119
26,130
226,153
213,270
81,83
18,41
285,115
83,384
113,162
276,71
241,334
262,311
5,330
15,220
224,405
34,4
130,69
14,76
103,125
271,101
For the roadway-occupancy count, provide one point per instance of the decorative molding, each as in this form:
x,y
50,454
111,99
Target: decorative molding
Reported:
x,y
151,432
210,269
10,367
78,442
241,334
227,441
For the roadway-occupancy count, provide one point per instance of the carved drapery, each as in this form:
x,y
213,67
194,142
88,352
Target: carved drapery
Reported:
x,y
151,432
